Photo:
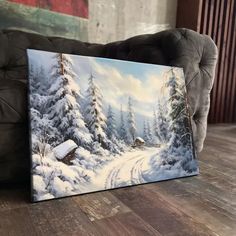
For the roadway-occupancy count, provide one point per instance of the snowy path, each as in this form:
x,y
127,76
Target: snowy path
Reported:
x,y
125,170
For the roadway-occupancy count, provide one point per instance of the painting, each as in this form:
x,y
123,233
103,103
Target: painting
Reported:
x,y
99,124
68,19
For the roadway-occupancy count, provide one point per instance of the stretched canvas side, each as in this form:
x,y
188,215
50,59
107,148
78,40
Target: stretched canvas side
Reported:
x,y
98,124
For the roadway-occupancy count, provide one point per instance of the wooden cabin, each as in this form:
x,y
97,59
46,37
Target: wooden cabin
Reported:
x,y
138,142
65,152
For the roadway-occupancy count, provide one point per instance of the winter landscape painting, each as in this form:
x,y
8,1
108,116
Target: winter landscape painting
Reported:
x,y
98,124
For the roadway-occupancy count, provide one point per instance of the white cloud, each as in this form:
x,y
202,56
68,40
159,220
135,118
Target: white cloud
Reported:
x,y
116,86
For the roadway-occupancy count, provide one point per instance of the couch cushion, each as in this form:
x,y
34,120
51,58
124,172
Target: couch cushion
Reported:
x,y
13,100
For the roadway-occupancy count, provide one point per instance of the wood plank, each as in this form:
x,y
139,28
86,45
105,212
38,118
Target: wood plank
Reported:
x,y
224,134
216,19
222,61
224,146
189,14
224,67
17,222
227,139
224,130
216,178
232,68
229,81
219,161
158,213
217,173
232,104
195,205
213,194
14,197
100,205
128,224
234,91
210,17
205,17
214,107
60,217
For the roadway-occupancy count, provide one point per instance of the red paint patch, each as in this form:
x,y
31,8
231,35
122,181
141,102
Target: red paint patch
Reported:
x,y
70,7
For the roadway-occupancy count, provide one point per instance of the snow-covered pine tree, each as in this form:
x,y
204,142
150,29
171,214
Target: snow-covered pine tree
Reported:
x,y
42,132
94,117
122,128
180,125
40,125
162,122
63,108
38,89
145,132
35,79
156,127
44,81
149,133
131,121
111,124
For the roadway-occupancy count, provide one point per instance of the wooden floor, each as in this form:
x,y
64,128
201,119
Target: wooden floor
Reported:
x,y
202,205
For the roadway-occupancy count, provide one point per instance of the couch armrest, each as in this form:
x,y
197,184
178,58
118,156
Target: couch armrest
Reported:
x,y
197,54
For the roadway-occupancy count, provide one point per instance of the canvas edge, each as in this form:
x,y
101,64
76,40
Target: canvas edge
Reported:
x,y
107,58
29,127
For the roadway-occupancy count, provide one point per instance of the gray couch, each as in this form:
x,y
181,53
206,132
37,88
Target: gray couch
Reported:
x,y
196,53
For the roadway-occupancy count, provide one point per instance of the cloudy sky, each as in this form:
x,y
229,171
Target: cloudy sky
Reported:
x,y
118,80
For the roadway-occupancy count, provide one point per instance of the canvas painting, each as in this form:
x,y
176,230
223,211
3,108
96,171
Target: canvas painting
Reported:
x,y
98,124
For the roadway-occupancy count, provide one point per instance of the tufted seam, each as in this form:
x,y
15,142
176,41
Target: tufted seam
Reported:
x,y
194,45
6,54
176,45
179,41
11,107
194,77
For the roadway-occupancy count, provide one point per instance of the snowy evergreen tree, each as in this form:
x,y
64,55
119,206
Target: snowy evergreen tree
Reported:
x,y
180,126
156,126
122,127
179,148
63,109
162,122
131,121
44,81
41,127
94,116
34,79
145,132
111,124
149,133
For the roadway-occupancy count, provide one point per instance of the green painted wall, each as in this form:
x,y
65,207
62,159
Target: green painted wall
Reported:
x,y
42,21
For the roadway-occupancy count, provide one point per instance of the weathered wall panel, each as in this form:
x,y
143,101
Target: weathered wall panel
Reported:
x,y
119,19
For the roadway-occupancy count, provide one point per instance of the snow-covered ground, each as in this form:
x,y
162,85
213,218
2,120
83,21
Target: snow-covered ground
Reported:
x,y
125,170
53,178
131,168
